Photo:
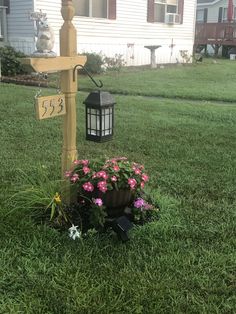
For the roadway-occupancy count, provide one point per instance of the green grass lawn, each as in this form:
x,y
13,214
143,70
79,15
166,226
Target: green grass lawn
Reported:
x,y
183,263
205,81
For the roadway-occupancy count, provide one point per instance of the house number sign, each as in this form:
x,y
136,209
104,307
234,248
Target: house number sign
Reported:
x,y
50,106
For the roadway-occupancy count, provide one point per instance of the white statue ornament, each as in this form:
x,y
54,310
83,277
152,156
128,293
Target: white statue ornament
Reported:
x,y
45,36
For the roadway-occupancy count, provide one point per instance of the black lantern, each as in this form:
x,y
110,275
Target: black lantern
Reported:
x,y
99,116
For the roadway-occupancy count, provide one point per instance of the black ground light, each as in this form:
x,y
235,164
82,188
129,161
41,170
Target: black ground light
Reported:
x,y
121,226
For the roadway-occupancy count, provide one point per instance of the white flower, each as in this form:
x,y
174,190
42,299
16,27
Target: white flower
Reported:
x,y
74,233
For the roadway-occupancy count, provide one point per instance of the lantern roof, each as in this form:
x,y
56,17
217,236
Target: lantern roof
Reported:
x,y
99,99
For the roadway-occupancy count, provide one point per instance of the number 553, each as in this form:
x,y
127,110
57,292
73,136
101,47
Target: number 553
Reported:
x,y
50,106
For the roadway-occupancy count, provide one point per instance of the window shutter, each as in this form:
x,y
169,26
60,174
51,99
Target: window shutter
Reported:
x,y
150,11
6,3
112,9
220,15
181,10
205,15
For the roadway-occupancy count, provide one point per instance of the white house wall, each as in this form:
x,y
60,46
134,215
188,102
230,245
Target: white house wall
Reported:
x,y
19,27
127,35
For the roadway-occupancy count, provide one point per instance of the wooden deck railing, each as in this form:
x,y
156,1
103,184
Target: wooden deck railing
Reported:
x,y
215,33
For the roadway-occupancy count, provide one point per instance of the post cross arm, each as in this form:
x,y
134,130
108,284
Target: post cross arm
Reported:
x,y
53,64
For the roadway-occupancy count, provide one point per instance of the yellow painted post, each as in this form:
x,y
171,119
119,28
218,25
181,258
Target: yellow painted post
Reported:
x,y
51,106
68,48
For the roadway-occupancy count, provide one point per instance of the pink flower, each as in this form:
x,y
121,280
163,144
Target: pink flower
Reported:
x,y
98,201
81,162
116,168
147,206
139,203
102,186
142,184
86,170
145,178
103,189
88,186
102,174
132,183
68,174
137,171
85,162
74,178
102,183
142,204
113,178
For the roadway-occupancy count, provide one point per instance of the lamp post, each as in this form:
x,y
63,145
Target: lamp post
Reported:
x,y
99,116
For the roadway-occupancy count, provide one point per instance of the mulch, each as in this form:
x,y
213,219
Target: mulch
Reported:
x,y
28,80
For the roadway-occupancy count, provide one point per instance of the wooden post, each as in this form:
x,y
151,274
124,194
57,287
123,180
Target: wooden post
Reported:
x,y
65,63
68,48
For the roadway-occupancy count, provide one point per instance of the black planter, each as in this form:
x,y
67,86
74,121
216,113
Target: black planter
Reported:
x,y
116,201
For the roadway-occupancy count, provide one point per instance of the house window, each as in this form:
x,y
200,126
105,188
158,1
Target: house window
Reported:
x,y
225,18
163,7
201,15
5,3
165,11
91,8
222,15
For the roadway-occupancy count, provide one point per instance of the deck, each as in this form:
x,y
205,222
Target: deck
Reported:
x,y
215,33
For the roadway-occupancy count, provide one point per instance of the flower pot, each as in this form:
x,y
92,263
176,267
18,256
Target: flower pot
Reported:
x,y
116,201
114,198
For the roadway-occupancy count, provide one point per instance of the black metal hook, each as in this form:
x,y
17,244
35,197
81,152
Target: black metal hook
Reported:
x,y
100,85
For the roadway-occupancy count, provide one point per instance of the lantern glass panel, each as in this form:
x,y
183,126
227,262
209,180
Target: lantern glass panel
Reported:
x,y
107,124
93,122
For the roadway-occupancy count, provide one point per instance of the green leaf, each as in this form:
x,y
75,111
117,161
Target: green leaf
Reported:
x,y
53,209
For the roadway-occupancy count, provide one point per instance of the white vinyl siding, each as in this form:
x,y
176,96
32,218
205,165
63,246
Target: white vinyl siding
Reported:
x,y
20,28
126,35
18,19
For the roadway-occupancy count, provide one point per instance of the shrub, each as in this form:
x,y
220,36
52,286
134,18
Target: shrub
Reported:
x,y
9,61
94,63
114,64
